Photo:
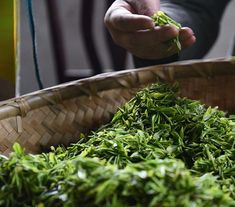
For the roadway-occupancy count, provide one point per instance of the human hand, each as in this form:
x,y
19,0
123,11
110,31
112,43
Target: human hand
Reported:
x,y
132,28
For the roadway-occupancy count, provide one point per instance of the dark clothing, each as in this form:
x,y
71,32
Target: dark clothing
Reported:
x,y
203,16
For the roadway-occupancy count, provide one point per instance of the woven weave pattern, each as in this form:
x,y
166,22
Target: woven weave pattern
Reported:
x,y
59,115
62,123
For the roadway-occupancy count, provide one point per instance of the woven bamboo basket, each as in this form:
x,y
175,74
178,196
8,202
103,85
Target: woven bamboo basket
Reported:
x,y
58,115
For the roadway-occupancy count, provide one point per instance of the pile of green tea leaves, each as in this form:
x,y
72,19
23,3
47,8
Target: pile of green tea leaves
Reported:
x,y
159,150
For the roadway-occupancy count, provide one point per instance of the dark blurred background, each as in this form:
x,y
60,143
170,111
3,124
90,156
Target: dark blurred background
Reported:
x,y
73,42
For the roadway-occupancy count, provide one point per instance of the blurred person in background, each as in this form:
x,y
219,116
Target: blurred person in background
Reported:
x,y
131,27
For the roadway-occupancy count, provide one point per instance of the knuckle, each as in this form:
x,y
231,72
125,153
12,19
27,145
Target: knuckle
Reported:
x,y
107,21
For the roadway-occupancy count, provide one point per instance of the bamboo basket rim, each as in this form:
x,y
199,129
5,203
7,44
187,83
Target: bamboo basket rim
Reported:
x,y
20,106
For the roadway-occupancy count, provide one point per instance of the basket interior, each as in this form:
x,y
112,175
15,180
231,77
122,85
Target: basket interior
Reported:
x,y
59,115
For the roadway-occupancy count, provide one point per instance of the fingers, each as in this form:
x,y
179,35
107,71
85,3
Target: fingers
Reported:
x,y
131,27
150,44
148,38
159,51
120,17
187,37
128,22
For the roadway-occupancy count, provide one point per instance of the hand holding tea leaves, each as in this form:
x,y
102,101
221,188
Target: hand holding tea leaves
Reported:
x,y
132,28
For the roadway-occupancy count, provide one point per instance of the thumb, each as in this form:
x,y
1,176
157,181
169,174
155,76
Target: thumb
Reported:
x,y
144,7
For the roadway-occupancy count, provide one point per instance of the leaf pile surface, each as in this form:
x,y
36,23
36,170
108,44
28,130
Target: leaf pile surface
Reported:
x,y
159,150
